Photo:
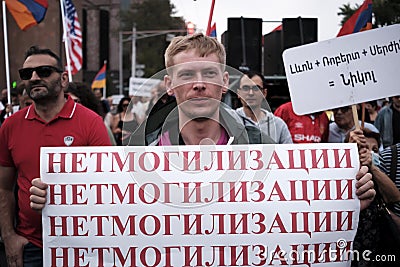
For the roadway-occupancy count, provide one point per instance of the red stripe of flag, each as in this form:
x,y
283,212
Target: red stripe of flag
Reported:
x,y
74,36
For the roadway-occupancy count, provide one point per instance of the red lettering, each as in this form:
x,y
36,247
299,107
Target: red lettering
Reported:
x,y
275,160
156,255
304,191
277,223
130,221
155,161
324,156
52,162
99,158
196,189
77,162
166,159
123,260
99,223
116,158
128,191
277,191
305,224
240,158
77,194
100,255
78,256
278,254
63,256
63,225
243,221
302,157
244,254
78,223
155,193
144,225
53,194
195,159
99,199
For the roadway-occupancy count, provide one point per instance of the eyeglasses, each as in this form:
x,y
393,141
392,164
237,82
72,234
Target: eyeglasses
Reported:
x,y
342,109
255,88
41,71
125,105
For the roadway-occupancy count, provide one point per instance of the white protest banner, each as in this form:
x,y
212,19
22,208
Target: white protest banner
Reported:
x,y
244,205
142,86
344,71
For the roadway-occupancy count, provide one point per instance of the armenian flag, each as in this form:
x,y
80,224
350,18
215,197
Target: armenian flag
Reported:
x,y
100,80
213,30
27,13
361,20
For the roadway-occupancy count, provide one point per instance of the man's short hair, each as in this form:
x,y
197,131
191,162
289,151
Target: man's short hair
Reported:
x,y
35,50
203,45
251,74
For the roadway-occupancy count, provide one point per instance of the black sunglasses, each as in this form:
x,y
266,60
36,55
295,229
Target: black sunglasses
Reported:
x,y
255,88
41,71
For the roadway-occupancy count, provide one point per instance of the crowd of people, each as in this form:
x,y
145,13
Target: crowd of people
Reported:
x,y
185,109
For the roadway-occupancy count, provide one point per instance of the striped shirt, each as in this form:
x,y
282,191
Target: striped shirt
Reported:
x,y
385,166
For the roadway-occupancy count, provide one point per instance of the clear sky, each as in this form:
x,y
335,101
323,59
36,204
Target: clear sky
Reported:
x,y
197,11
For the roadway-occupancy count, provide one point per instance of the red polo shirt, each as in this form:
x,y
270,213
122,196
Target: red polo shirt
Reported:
x,y
304,128
24,133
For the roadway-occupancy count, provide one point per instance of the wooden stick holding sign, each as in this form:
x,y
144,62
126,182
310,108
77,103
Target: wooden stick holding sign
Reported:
x,y
362,115
355,116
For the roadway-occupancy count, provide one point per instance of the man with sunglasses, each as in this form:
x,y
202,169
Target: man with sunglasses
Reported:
x,y
252,93
343,124
54,119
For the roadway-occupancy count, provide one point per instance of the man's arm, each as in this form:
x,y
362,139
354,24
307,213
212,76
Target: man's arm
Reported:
x,y
7,201
386,186
13,243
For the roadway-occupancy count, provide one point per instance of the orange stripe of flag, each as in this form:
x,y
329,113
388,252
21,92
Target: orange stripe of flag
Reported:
x,y
21,14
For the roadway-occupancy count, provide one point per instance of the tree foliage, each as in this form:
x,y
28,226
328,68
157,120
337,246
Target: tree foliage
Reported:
x,y
150,15
385,12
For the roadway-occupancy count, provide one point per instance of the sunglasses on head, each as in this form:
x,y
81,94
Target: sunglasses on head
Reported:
x,y
255,88
41,71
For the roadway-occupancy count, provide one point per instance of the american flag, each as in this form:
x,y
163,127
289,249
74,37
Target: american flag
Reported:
x,y
74,36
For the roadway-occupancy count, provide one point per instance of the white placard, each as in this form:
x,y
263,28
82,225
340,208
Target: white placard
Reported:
x,y
200,205
343,71
142,86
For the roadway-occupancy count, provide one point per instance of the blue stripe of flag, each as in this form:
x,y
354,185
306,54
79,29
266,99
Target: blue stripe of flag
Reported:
x,y
38,11
364,17
100,76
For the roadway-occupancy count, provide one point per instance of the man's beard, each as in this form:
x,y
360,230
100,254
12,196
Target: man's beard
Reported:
x,y
46,96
